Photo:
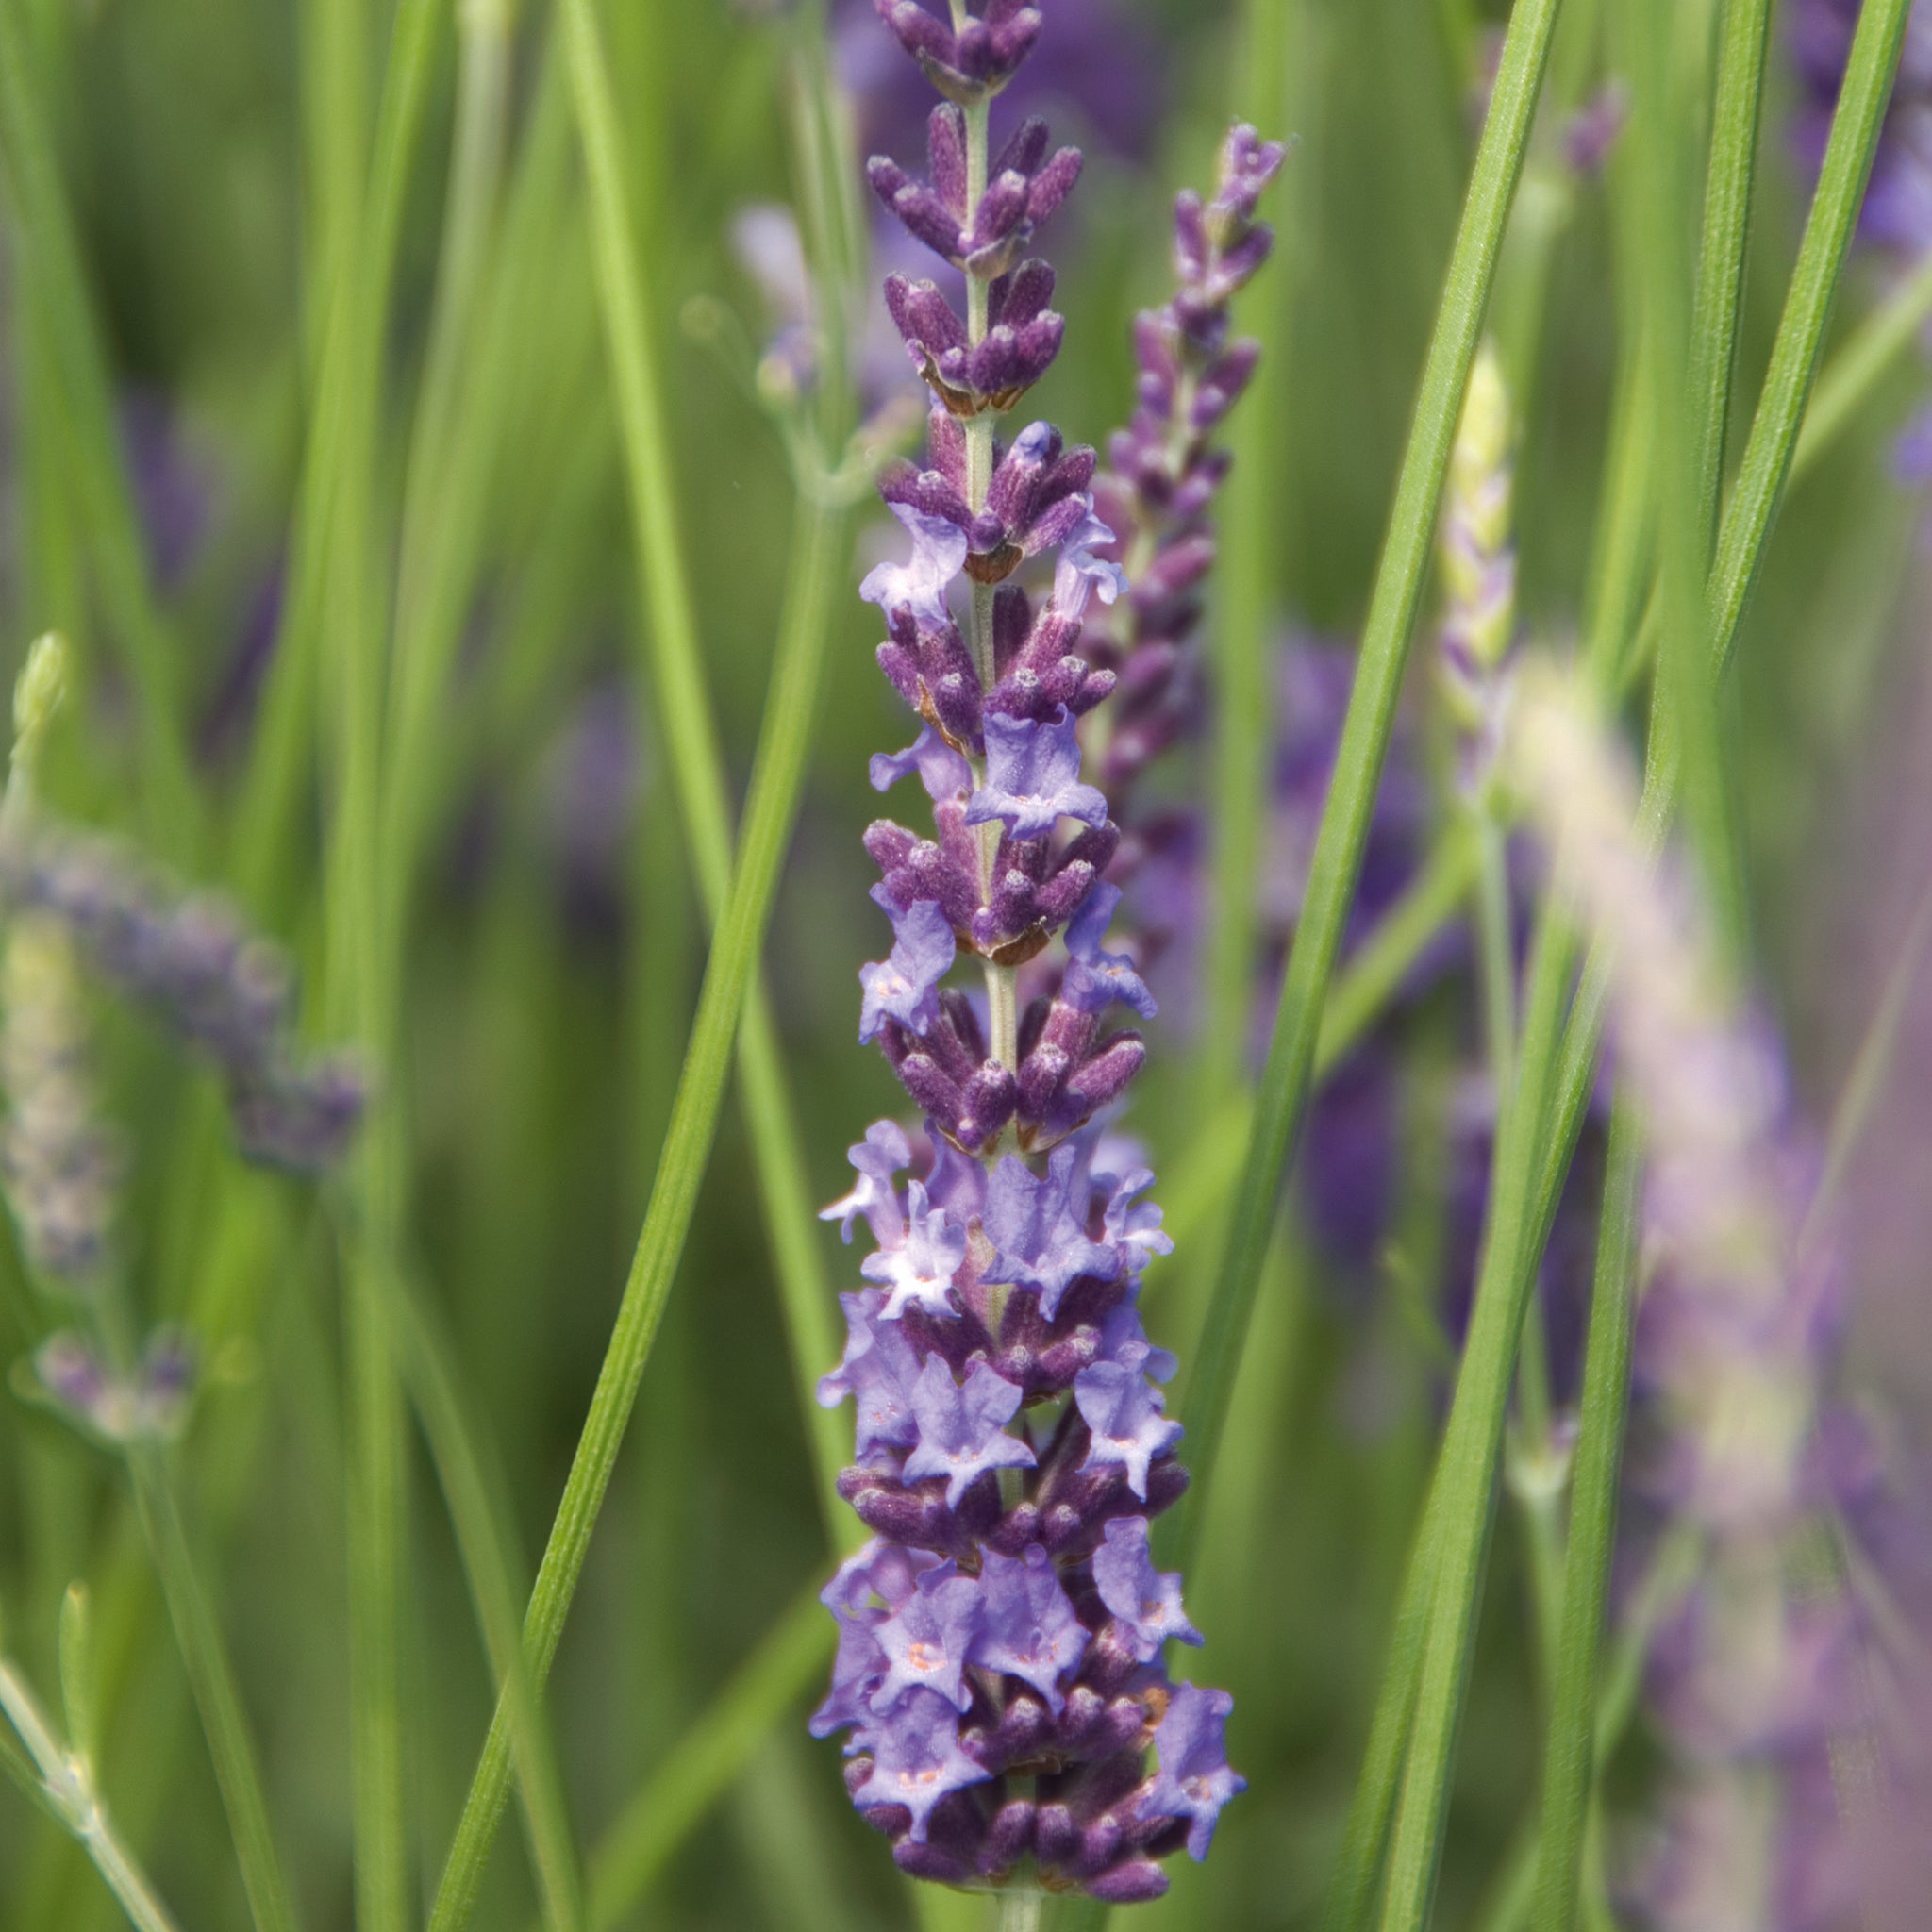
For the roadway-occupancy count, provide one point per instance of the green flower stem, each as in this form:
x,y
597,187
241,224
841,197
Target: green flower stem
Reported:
x,y
61,1782
485,1540
217,1695
1337,860
705,1764
771,807
80,414
1569,1756
1020,1911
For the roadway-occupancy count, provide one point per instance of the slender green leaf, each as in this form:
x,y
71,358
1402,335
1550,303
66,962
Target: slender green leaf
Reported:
x,y
55,281
1569,1755
485,1540
1352,1884
1336,863
1743,35
1765,468
705,1764
217,1695
1241,666
1877,345
771,807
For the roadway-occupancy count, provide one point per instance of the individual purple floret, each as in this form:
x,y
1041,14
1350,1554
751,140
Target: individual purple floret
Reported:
x,y
999,1658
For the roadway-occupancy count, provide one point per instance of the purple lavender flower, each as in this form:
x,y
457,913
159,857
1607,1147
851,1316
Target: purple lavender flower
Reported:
x,y
901,987
962,1429
1001,1693
1144,1603
1194,1781
1163,471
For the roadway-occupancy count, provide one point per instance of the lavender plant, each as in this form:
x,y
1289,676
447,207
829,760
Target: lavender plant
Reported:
x,y
999,1663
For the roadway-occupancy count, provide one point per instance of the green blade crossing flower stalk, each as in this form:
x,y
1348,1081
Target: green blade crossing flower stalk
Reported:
x,y
1339,846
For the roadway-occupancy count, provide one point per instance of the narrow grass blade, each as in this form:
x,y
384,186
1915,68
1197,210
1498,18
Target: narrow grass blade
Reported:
x,y
1569,1756
698,1771
54,282
1240,665
1719,298
1352,1886
485,1541
1337,860
1875,348
218,1697
1463,1499
771,807
1765,467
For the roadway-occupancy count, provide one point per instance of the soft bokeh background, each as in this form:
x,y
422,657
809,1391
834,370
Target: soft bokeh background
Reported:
x,y
557,946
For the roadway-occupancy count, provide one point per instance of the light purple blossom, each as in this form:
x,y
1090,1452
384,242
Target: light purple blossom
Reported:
x,y
1030,1630
941,770
868,1586
919,1271
1144,1601
1122,1409
962,1427
1079,576
926,1644
1033,777
1134,1224
1093,977
876,1160
879,1371
1122,1339
919,585
905,987
1032,1221
917,1760
1194,1781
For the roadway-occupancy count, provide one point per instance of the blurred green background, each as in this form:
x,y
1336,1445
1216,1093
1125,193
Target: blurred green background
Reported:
x,y
556,942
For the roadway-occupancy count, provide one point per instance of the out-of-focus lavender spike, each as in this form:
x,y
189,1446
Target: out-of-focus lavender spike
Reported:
x,y
189,961
1755,1679
147,1403
60,1166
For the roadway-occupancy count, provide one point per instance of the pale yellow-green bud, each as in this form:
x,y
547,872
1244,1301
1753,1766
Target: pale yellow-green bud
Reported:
x,y
36,695
1478,565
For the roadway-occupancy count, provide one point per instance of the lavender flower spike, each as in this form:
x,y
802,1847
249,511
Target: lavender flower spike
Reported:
x,y
1755,1680
999,1658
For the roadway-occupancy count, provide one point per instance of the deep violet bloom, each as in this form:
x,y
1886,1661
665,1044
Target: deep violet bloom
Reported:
x,y
1000,1641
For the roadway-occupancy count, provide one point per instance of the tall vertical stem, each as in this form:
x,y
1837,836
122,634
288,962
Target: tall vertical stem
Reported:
x,y
1002,998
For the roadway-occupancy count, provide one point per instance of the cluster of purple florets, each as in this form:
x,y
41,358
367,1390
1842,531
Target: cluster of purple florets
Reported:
x,y
188,959
1165,469
999,1664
